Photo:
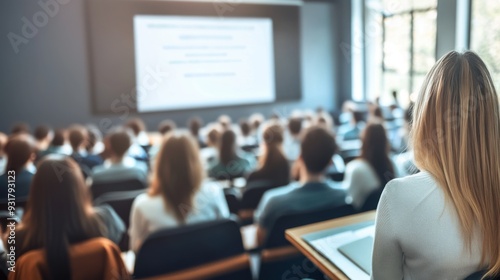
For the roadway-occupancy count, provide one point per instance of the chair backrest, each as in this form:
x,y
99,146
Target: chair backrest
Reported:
x,y
276,236
172,250
121,202
371,201
99,189
232,199
97,258
253,193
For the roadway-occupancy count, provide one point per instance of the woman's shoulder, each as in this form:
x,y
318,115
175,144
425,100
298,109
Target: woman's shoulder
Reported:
x,y
412,187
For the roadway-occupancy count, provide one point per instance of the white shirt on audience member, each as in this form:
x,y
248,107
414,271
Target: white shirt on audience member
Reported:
x,y
149,213
418,234
360,180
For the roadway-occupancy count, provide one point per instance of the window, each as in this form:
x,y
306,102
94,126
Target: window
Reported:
x,y
407,47
485,35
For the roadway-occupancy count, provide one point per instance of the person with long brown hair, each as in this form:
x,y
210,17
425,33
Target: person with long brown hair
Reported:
x,y
59,214
443,223
230,163
372,169
21,153
178,193
274,166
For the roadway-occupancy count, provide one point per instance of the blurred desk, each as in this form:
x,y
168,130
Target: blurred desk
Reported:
x,y
328,268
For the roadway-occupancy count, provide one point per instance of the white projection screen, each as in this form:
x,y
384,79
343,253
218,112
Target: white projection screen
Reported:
x,y
184,62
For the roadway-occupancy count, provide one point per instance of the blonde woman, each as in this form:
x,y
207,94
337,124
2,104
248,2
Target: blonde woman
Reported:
x,y
443,223
178,194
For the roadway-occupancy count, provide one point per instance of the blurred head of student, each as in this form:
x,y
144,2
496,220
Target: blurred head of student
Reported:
x,y
194,125
225,122
20,150
256,120
59,213
455,136
136,125
245,128
94,136
375,150
59,138
20,128
272,146
213,136
43,135
316,151
166,126
295,126
178,174
77,136
227,147
118,142
3,142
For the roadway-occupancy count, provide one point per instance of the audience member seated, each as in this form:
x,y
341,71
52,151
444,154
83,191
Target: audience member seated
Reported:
x,y
140,139
178,194
94,146
225,122
443,223
20,128
246,138
119,166
256,120
21,152
43,136
57,146
164,128
353,131
274,166
230,163
292,141
77,135
60,214
317,149
194,125
210,153
3,155
373,169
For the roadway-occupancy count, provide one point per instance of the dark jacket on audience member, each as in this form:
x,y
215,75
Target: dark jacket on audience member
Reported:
x,y
22,181
279,176
311,196
87,162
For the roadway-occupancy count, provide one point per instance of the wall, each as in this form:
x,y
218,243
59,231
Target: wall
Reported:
x,y
47,80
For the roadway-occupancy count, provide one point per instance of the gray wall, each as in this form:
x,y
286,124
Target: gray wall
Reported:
x,y
47,81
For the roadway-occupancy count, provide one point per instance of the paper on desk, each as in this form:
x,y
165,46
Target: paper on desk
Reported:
x,y
328,246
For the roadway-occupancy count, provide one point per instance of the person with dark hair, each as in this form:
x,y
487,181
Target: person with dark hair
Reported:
x,y
20,128
57,145
3,155
140,139
274,166
166,126
21,153
373,169
246,139
230,163
60,214
43,136
178,194
94,140
209,154
194,125
312,192
77,136
357,125
119,166
294,129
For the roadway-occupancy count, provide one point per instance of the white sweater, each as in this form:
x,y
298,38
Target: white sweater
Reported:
x,y
149,213
418,234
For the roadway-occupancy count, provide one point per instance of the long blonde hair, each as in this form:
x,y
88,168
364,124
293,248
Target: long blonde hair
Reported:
x,y
456,138
178,174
